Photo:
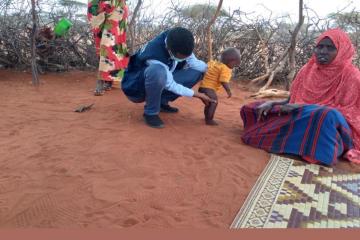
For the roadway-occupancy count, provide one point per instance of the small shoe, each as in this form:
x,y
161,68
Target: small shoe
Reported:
x,y
168,109
153,121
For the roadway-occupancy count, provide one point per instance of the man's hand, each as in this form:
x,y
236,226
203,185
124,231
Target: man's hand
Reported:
x,y
204,98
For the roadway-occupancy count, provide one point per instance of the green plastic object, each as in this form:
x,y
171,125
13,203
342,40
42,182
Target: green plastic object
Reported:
x,y
62,27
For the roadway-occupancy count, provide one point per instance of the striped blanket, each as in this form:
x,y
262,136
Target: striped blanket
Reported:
x,y
318,134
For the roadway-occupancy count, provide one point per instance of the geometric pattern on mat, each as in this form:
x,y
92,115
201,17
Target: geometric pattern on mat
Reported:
x,y
294,194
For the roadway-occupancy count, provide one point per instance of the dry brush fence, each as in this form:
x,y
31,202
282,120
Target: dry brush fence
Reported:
x,y
262,40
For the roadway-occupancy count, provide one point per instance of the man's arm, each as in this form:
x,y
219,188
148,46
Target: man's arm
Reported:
x,y
179,89
171,85
196,64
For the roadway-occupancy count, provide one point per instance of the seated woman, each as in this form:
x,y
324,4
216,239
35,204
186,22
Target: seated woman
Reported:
x,y
320,121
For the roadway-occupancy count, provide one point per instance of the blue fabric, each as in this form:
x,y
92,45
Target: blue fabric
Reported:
x,y
155,80
316,133
156,49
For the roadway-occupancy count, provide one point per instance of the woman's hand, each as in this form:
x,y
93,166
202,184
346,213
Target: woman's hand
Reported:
x,y
288,108
264,109
204,98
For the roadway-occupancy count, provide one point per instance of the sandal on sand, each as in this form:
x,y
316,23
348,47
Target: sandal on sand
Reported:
x,y
99,91
107,86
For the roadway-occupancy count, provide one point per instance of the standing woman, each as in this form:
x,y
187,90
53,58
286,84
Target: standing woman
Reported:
x,y
108,21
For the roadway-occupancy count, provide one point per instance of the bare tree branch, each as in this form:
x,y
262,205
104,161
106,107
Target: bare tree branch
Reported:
x,y
208,29
34,68
292,48
132,24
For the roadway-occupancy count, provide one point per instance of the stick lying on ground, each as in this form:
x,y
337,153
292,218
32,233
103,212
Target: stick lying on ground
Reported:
x,y
270,93
84,108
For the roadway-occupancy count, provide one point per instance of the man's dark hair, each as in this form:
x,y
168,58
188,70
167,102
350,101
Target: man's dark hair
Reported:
x,y
180,40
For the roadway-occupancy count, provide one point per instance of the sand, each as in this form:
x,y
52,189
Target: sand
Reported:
x,y
106,169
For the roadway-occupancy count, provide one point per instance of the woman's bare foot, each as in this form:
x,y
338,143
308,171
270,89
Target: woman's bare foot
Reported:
x,y
99,91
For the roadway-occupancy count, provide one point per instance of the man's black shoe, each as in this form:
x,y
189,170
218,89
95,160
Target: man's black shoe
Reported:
x,y
168,109
153,121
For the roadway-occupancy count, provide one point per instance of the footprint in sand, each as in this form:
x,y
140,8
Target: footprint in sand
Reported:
x,y
4,211
239,170
149,187
14,132
178,219
195,152
130,222
212,213
9,184
60,208
4,208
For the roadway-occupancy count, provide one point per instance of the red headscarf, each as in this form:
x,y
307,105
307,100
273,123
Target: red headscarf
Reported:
x,y
335,85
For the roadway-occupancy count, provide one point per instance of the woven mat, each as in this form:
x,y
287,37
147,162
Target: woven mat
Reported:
x,y
294,194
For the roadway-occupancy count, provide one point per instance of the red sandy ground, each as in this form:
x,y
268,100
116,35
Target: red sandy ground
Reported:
x,y
106,169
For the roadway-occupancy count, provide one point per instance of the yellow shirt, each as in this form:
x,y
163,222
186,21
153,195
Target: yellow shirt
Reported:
x,y
216,74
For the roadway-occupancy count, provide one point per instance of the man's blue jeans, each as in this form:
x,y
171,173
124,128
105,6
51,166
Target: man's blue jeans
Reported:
x,y
155,81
